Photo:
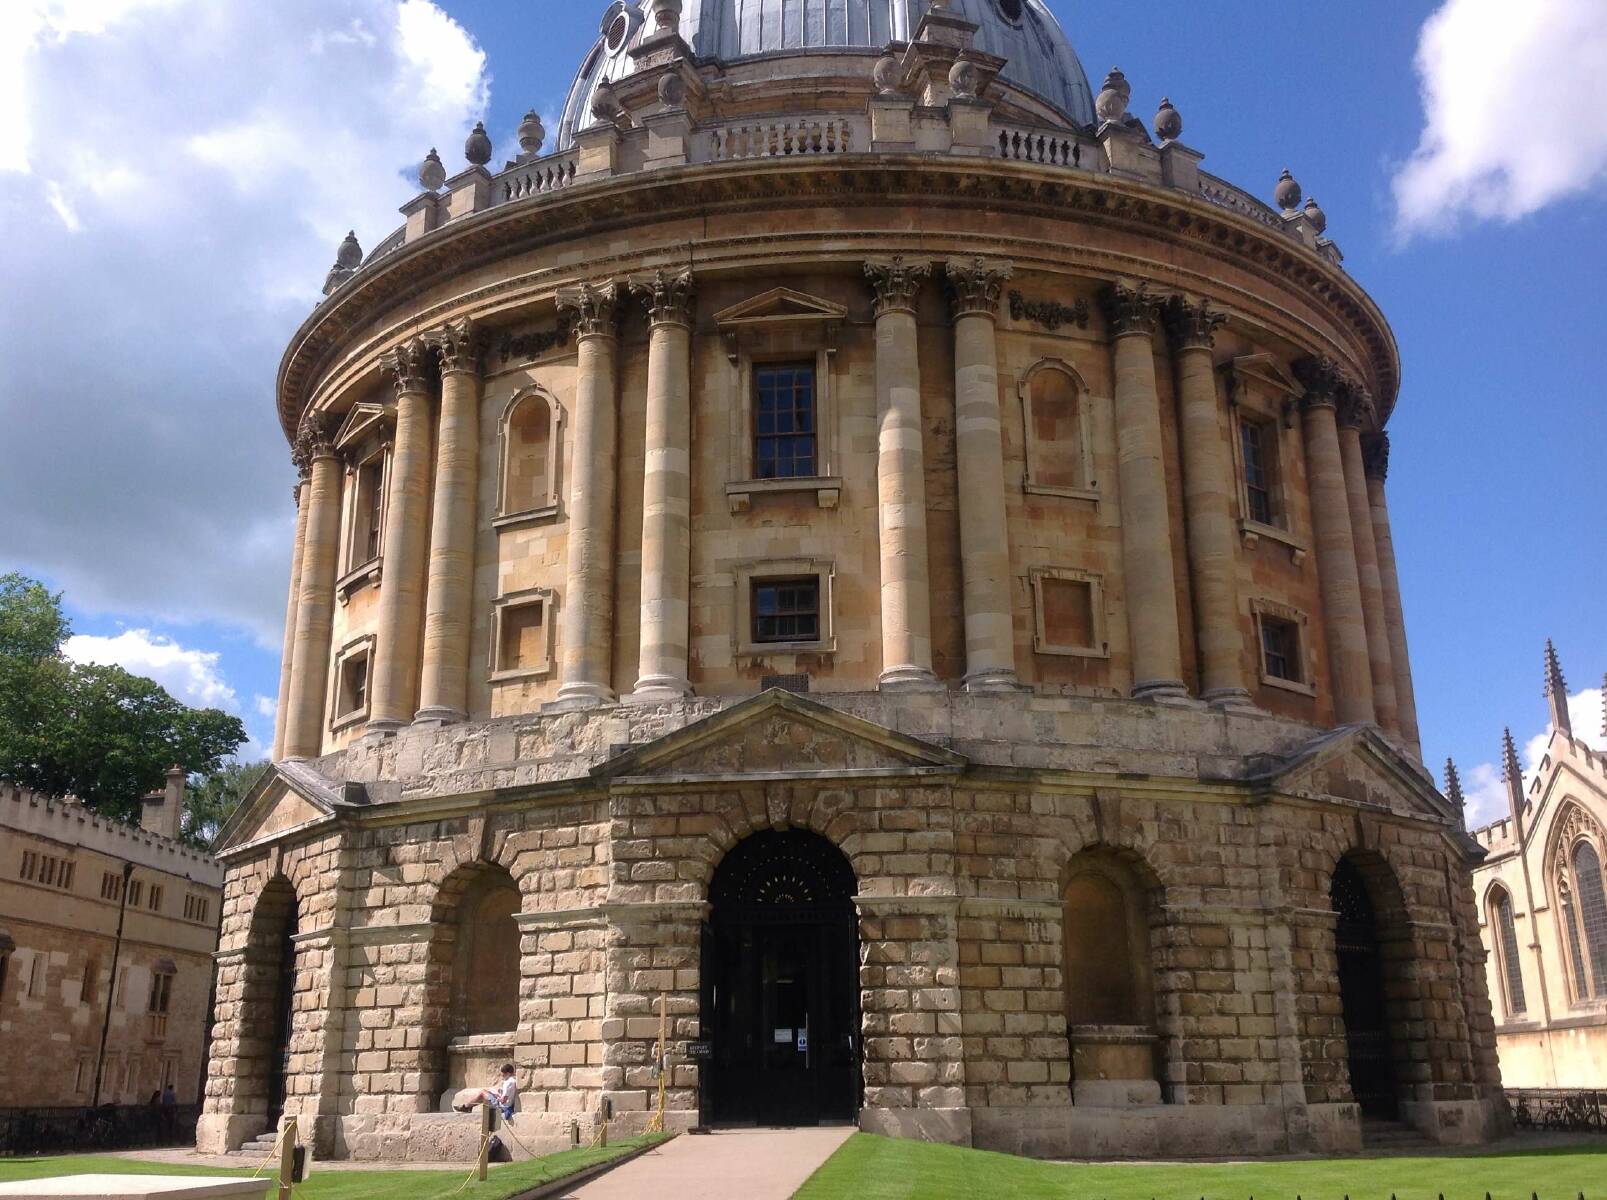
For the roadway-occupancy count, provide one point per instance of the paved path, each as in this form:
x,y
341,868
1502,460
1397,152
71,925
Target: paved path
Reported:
x,y
734,1164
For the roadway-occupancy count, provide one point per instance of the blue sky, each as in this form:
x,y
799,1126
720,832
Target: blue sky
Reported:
x,y
227,155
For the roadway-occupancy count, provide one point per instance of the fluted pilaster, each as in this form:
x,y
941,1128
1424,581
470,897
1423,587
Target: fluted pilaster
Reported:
x,y
666,488
1131,315
292,604
587,619
1349,672
1375,464
1208,489
1355,413
449,594
315,604
974,287
906,601
394,692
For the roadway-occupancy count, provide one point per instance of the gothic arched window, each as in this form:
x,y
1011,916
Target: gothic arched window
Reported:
x,y
529,456
1505,939
1586,917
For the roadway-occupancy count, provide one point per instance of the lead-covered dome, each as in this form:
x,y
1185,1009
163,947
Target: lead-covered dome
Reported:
x,y
1040,58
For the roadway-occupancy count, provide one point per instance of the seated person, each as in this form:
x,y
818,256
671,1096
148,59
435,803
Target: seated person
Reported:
x,y
500,1096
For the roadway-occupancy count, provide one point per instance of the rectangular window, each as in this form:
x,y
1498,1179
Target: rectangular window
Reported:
x,y
1259,444
30,864
195,908
522,645
1068,613
353,696
82,1076
156,897
64,877
136,893
120,992
784,421
368,511
786,610
1280,649
157,1005
111,886
86,989
36,976
47,870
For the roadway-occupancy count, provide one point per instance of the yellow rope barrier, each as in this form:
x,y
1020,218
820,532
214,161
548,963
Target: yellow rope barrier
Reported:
x,y
273,1155
474,1170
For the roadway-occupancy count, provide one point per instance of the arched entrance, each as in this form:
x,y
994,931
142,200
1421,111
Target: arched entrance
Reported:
x,y
268,1007
1361,993
780,975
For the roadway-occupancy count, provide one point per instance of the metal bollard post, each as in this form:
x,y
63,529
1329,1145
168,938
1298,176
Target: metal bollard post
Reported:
x,y
287,1158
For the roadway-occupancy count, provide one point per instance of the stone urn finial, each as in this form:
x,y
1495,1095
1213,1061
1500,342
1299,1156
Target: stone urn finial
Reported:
x,y
886,75
1287,193
667,16
350,254
672,91
965,79
532,133
1315,216
1111,104
431,174
605,105
1168,122
477,147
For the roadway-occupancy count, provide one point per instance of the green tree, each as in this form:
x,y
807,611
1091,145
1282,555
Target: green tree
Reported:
x,y
212,799
97,732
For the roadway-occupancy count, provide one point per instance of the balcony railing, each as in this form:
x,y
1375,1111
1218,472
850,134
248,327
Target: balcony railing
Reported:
x,y
1052,147
780,138
535,178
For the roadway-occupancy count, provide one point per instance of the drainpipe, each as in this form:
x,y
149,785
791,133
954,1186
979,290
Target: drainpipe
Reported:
x,y
111,984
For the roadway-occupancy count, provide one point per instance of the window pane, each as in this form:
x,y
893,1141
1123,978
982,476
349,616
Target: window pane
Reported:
x,y
1511,966
1592,913
786,610
784,421
1280,649
1255,439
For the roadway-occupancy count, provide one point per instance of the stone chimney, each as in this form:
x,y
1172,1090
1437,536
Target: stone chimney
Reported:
x,y
163,810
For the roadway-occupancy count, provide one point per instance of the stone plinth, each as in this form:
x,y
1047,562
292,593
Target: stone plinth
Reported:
x,y
131,1187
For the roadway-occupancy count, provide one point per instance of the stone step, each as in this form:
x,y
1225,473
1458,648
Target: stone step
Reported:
x,y
1392,1135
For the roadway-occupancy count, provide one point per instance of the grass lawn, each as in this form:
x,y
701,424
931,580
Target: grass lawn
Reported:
x,y
878,1168
508,1179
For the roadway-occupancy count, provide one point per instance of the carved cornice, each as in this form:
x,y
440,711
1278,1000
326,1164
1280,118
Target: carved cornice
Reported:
x,y
1322,379
1375,455
407,367
1191,326
1130,310
1355,407
667,296
895,282
315,438
459,346
975,285
595,308
1199,239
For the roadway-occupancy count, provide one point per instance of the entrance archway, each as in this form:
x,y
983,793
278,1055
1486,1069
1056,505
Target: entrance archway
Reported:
x,y
1361,993
268,1005
780,975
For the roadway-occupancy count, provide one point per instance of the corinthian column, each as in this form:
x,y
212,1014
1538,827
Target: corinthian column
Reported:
x,y
990,653
303,721
1355,412
1208,504
1348,669
401,586
1375,465
901,480
1131,315
587,626
449,597
292,605
666,488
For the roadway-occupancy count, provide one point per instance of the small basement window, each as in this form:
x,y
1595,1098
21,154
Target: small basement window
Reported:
x,y
786,610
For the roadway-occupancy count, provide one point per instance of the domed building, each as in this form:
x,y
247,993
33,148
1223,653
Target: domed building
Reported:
x,y
866,559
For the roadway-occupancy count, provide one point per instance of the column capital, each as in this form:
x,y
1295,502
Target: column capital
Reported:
x,y
1191,326
895,282
975,284
1130,311
1322,379
407,366
458,346
1355,407
1375,455
667,296
315,438
595,307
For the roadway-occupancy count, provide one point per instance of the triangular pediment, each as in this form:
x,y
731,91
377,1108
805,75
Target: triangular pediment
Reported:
x,y
1267,372
290,795
364,419
780,306
778,733
1358,764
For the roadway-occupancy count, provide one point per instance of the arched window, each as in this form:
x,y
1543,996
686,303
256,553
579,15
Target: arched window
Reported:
x,y
1586,918
1505,939
529,456
485,968
1054,408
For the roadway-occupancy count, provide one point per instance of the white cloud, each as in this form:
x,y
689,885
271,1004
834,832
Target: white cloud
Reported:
x,y
267,707
1483,787
188,675
1514,112
174,178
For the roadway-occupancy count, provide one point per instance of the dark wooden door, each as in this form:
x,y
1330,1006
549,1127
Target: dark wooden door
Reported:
x,y
1361,994
284,998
